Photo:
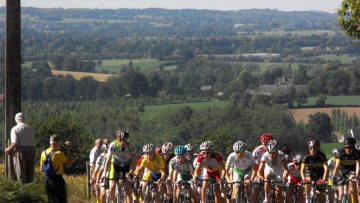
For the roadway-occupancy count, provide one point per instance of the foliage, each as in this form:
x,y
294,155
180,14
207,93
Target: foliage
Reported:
x,y
320,126
349,17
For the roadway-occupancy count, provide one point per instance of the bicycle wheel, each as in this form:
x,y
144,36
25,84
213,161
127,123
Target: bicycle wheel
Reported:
x,y
181,199
210,196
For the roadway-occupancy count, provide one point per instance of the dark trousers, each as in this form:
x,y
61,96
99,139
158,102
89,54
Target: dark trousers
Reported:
x,y
56,189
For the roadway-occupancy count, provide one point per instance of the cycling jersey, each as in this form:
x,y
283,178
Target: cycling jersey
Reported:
x,y
167,162
294,174
314,165
273,166
153,167
258,153
244,164
185,169
121,156
347,161
211,167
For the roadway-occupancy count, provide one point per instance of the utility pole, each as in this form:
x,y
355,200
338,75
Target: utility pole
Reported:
x,y
12,74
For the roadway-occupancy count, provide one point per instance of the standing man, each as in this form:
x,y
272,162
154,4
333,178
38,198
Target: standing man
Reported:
x,y
94,154
55,186
22,149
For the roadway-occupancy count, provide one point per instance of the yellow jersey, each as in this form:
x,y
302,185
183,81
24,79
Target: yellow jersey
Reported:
x,y
58,159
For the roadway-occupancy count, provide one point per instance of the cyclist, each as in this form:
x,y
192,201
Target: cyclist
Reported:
x,y
348,164
243,164
294,178
330,184
190,155
286,151
167,152
121,159
257,154
181,169
95,177
314,168
213,167
154,169
273,165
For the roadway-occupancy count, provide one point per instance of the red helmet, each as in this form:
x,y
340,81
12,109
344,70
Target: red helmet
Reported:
x,y
266,137
158,150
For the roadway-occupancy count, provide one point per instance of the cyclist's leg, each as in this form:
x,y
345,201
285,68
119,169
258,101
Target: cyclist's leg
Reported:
x,y
113,177
352,187
128,189
169,192
203,190
278,188
268,174
307,188
256,191
193,195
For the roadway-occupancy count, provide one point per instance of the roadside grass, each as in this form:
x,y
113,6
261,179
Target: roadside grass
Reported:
x,y
14,191
151,111
328,147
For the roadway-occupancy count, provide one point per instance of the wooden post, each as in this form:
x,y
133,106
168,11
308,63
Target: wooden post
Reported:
x,y
88,185
12,73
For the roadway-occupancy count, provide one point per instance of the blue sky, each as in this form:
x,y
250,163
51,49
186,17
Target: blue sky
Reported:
x,y
286,5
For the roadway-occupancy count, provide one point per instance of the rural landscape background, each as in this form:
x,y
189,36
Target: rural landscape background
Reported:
x,y
183,76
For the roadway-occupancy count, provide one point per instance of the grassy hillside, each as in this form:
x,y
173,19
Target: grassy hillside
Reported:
x,y
328,147
78,75
151,111
115,65
336,100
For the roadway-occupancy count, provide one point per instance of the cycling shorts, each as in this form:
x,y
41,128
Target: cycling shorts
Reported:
x,y
212,175
148,176
314,175
277,173
240,175
117,171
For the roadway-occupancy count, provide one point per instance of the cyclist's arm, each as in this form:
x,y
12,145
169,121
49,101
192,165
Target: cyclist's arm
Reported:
x,y
261,168
227,172
138,169
107,163
133,164
197,171
253,174
222,172
326,170
99,175
173,176
357,171
285,168
163,174
94,175
336,168
302,170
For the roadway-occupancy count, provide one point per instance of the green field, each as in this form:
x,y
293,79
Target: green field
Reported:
x,y
151,111
297,32
328,147
336,100
114,65
342,58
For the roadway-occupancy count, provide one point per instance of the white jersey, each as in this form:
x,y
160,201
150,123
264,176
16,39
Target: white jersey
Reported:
x,y
185,170
274,164
121,156
243,163
292,170
258,152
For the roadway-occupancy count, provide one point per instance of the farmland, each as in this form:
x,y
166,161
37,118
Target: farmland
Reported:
x,y
78,75
115,65
303,114
336,100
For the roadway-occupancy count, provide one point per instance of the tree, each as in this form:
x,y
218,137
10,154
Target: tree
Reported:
x,y
320,126
349,17
87,88
321,100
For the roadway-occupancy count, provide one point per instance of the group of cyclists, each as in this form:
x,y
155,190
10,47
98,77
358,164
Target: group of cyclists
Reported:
x,y
267,174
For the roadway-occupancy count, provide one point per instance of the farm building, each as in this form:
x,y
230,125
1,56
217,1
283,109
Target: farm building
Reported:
x,y
354,132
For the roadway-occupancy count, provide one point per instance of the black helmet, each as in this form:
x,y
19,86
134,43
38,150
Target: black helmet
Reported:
x,y
349,141
313,143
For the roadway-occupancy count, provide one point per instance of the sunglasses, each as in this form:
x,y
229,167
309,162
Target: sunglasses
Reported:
x,y
206,152
312,148
180,157
238,152
348,147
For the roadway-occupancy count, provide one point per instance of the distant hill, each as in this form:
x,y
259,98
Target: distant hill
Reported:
x,y
156,22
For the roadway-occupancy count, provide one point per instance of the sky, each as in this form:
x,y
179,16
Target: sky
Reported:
x,y
284,5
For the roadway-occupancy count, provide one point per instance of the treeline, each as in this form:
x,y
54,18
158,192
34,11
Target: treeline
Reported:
x,y
104,45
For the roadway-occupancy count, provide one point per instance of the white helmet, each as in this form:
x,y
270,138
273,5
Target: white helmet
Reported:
x,y
148,148
207,145
189,147
167,148
271,146
335,152
239,146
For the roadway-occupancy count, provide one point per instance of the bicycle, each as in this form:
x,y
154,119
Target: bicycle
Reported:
x,y
210,193
184,195
314,187
273,184
120,196
241,196
260,187
150,192
345,196
296,189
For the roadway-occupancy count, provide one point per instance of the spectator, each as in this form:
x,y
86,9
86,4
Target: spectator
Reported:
x,y
22,149
55,186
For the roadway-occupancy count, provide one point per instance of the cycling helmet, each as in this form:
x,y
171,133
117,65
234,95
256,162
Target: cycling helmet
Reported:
x,y
180,150
286,150
349,141
335,152
104,147
207,145
266,137
189,147
313,143
272,146
357,147
158,150
148,148
167,148
297,159
239,146
122,134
